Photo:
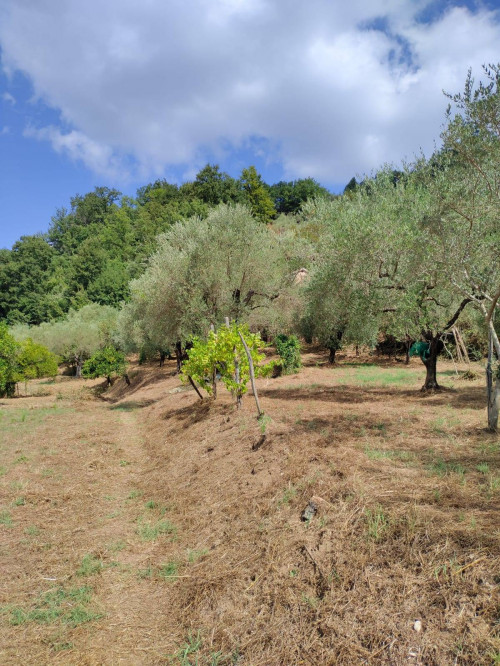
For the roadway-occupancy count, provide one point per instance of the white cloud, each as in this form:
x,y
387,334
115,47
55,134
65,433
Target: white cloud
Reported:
x,y
161,82
7,97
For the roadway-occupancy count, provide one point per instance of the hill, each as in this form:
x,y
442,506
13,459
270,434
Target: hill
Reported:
x,y
142,526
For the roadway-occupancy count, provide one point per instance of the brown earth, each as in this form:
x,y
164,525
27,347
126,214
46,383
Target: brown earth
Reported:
x,y
142,526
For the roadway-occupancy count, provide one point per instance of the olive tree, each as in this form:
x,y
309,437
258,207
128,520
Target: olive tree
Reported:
x,y
227,265
76,337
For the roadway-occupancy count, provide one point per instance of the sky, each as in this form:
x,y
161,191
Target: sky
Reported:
x,y
119,93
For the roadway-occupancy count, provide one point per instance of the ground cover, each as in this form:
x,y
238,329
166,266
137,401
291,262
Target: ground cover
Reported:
x,y
151,528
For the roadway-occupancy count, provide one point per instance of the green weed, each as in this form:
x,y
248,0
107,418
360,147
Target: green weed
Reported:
x,y
90,565
6,519
32,530
150,531
19,501
288,494
377,523
194,555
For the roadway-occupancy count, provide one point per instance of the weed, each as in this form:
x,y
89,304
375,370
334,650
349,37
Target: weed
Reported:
x,y
90,565
134,494
312,602
32,530
21,459
19,501
117,546
3,471
264,421
48,473
151,531
294,573
484,468
146,573
169,570
6,519
288,494
194,555
124,463
151,504
377,523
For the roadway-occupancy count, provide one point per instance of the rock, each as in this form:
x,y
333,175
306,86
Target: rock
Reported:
x,y
309,512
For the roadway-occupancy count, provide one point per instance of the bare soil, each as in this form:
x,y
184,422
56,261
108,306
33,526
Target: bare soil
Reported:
x,y
142,526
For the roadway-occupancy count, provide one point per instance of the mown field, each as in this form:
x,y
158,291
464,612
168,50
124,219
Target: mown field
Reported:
x,y
142,526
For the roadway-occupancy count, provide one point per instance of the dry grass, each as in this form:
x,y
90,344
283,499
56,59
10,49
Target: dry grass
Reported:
x,y
188,538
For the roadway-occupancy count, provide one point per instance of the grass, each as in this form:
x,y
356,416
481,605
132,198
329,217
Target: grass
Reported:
x,y
377,523
149,531
288,494
445,468
6,519
188,654
69,606
382,454
90,565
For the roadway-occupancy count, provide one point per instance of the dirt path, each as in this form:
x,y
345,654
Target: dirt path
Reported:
x,y
75,517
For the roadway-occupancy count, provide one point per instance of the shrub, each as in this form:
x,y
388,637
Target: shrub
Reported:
x,y
105,363
288,348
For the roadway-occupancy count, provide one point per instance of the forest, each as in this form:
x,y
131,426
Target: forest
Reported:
x,y
408,254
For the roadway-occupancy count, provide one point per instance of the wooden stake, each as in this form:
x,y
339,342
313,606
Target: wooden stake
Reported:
x,y
252,374
195,387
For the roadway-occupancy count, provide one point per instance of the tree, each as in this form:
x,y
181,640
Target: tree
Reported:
x,y
256,195
465,182
36,361
9,367
105,363
21,361
288,197
25,273
204,270
222,356
76,337
213,186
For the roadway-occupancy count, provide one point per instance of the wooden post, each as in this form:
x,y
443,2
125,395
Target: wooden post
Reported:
x,y
252,374
195,387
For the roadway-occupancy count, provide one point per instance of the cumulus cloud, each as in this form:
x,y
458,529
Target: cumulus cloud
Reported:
x,y
331,90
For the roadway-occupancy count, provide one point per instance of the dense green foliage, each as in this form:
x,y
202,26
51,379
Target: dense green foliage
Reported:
x,y
20,361
288,348
105,363
222,357
95,248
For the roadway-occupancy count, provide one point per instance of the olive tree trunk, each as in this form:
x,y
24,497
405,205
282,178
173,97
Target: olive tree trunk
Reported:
x,y
493,387
435,346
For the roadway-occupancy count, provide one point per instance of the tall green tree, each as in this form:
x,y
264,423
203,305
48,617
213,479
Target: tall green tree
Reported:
x,y
256,195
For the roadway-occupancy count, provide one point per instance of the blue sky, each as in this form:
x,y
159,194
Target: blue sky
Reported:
x,y
121,93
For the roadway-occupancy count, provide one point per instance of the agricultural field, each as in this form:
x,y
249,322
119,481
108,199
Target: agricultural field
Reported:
x,y
140,525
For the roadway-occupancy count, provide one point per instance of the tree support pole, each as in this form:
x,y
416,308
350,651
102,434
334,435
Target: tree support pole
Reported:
x,y
252,374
